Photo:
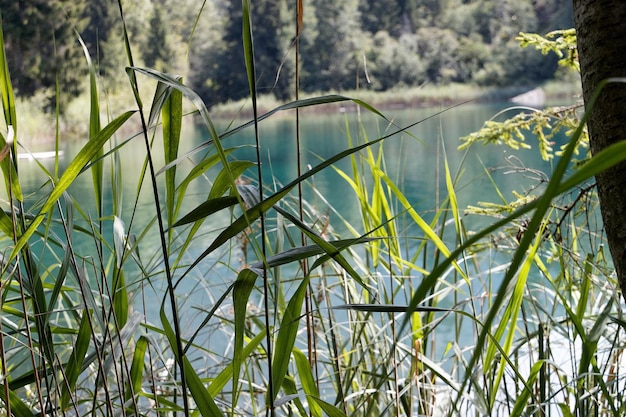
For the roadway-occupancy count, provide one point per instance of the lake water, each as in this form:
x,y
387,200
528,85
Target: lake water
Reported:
x,y
414,159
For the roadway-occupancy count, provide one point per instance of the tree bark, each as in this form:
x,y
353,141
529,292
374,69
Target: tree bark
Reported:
x,y
601,36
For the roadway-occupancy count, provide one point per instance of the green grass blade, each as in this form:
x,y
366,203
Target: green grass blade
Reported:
x,y
329,409
172,115
10,118
222,183
255,212
241,294
521,401
137,367
328,248
6,87
74,365
97,168
73,170
205,209
297,104
197,170
18,407
220,381
204,401
303,252
308,382
286,337
248,48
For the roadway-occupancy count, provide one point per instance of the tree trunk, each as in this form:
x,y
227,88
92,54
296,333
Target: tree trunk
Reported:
x,y
601,36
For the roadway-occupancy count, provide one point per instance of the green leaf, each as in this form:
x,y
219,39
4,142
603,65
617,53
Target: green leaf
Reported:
x,y
308,382
74,364
286,337
137,367
303,252
18,407
172,113
222,182
97,167
329,409
241,294
204,401
73,170
522,399
206,209
220,381
6,88
329,249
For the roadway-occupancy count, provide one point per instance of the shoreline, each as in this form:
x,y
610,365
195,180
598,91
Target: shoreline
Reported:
x,y
418,97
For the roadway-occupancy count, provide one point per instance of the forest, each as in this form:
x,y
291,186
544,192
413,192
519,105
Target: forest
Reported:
x,y
369,44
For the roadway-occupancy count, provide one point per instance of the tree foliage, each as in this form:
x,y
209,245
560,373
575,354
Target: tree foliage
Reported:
x,y
29,28
380,45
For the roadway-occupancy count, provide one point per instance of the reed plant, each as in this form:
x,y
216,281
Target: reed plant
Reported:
x,y
250,302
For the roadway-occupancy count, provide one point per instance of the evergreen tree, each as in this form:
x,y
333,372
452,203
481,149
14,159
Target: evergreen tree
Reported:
x,y
157,52
225,77
382,15
41,46
330,62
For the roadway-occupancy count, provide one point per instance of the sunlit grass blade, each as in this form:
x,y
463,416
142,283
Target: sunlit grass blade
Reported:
x,y
137,368
521,401
534,226
94,128
6,87
222,180
308,382
172,116
220,381
18,407
73,170
198,169
507,324
329,409
253,213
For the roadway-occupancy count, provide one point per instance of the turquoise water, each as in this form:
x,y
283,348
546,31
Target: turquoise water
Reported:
x,y
413,159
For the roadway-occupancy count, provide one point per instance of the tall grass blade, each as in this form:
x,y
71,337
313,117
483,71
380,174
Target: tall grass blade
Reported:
x,y
328,248
286,337
308,382
8,144
521,401
17,406
172,115
74,365
6,87
220,381
73,170
241,294
137,368
97,168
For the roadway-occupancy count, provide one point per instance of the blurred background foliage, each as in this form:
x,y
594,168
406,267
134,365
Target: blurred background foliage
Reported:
x,y
368,44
